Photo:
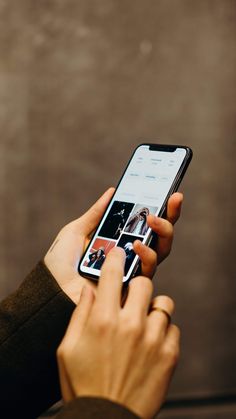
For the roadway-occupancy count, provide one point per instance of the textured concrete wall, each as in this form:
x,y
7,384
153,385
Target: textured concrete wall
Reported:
x,y
81,84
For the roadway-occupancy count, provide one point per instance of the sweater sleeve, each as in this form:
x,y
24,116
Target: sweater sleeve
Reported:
x,y
33,321
93,407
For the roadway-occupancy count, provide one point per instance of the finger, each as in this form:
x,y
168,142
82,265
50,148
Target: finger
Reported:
x,y
174,207
89,221
139,297
80,316
165,232
109,288
172,344
148,258
157,319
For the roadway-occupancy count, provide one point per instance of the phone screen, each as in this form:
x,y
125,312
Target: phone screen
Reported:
x,y
143,189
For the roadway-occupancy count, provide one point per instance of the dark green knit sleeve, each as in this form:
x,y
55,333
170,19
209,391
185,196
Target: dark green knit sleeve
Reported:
x,y
93,407
33,321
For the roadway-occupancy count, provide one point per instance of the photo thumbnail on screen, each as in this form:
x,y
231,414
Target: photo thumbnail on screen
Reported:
x,y
137,223
98,252
116,219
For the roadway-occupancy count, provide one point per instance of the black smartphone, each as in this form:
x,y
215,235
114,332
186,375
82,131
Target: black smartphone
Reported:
x,y
153,173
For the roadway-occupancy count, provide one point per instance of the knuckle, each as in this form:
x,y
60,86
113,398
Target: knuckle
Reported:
x,y
152,342
60,352
65,230
152,257
111,270
171,354
73,227
174,356
155,258
132,329
168,229
142,282
66,227
171,231
104,324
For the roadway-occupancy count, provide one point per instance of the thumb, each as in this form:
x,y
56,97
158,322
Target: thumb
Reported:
x,y
89,221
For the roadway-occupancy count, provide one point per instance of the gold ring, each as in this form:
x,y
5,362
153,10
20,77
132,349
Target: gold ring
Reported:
x,y
162,310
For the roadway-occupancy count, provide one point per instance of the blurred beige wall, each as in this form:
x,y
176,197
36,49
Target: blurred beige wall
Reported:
x,y
81,84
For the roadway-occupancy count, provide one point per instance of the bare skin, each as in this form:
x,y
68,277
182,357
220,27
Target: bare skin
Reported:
x,y
63,257
125,354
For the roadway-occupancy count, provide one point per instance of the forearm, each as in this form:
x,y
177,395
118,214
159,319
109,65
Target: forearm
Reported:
x,y
33,321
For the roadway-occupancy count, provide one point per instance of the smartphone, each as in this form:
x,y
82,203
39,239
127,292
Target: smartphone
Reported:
x,y
152,175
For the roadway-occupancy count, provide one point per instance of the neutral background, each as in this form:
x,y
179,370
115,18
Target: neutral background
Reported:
x,y
81,83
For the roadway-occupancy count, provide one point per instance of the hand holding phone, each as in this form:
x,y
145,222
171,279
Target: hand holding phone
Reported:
x,y
153,173
69,245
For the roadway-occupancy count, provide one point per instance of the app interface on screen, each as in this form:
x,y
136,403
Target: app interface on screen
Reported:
x,y
142,191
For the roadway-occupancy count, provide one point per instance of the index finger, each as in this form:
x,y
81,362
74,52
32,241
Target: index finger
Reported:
x,y
110,282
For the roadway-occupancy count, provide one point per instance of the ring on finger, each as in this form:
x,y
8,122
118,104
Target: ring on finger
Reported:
x,y
161,310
